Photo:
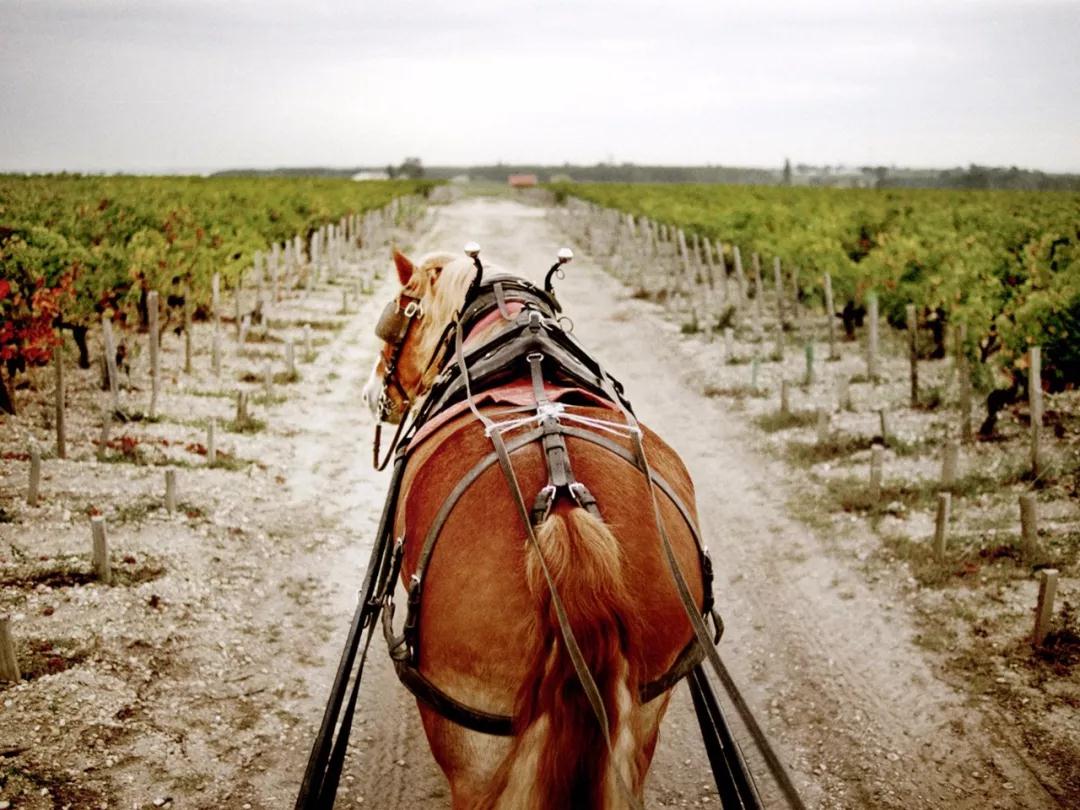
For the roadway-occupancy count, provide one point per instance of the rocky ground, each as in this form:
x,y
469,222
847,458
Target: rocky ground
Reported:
x,y
198,678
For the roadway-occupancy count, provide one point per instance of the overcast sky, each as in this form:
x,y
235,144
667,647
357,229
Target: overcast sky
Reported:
x,y
153,85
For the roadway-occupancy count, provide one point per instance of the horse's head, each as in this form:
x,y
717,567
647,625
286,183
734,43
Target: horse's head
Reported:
x,y
410,327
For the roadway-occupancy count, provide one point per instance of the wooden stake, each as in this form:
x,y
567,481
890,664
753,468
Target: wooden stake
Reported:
x,y
58,365
830,318
949,462
808,379
740,276
843,394
1029,526
877,460
9,664
759,294
941,522
913,352
101,563
290,359
34,486
729,344
110,361
884,426
345,301
822,425
155,354
215,351
964,372
872,339
778,282
309,351
268,380
211,447
1035,406
241,409
755,364
187,328
1044,608
170,490
785,399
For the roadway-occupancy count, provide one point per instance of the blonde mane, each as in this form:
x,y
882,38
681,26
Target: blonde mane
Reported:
x,y
445,278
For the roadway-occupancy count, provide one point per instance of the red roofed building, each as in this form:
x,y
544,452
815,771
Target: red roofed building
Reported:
x,y
522,180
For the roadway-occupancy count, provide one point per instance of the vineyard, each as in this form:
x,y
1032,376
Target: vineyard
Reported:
x,y
73,249
1005,266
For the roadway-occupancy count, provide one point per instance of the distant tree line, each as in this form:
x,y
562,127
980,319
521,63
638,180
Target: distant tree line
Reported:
x,y
973,177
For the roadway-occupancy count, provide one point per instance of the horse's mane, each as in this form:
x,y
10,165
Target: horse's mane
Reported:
x,y
442,294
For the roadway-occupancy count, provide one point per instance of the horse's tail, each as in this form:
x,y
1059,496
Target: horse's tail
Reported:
x,y
559,757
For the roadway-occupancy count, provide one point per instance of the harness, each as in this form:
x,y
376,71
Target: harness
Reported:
x,y
533,344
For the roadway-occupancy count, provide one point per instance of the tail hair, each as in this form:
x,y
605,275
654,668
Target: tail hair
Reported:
x,y
559,757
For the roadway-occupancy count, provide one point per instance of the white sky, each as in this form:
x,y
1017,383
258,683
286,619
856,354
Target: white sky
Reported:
x,y
142,85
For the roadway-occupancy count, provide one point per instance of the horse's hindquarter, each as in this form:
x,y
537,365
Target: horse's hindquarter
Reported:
x,y
477,623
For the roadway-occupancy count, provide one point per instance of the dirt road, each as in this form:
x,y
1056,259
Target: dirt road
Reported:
x,y
212,698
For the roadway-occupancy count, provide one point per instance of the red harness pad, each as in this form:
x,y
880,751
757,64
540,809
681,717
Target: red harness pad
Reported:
x,y
515,394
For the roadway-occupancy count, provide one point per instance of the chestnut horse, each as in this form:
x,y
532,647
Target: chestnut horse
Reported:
x,y
489,629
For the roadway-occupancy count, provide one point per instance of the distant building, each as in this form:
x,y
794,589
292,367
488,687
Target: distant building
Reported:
x,y
522,180
373,175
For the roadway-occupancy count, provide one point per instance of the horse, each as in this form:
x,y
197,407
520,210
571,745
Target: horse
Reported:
x,y
506,598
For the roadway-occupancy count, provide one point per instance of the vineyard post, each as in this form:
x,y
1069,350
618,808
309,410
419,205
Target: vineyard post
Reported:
x,y
796,306
950,461
778,281
9,663
913,352
941,523
830,318
58,365
729,344
755,366
1035,406
785,399
759,294
101,563
170,490
237,304
808,380
241,410
268,381
822,425
778,351
687,277
187,327
245,325
345,301
740,275
877,459
722,267
155,354
110,362
963,372
843,393
872,342
1044,608
290,359
215,352
215,299
34,486
274,281
1029,526
884,426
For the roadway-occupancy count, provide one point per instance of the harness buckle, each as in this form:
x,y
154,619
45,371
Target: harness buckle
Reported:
x,y
542,505
411,309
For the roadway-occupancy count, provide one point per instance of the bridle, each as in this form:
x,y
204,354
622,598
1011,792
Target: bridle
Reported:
x,y
393,329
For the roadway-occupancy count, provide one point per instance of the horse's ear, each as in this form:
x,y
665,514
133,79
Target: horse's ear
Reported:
x,y
404,267
433,274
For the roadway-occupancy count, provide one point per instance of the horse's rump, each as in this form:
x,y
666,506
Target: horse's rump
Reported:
x,y
478,614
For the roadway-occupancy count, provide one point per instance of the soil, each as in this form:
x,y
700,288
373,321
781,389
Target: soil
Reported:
x,y
198,679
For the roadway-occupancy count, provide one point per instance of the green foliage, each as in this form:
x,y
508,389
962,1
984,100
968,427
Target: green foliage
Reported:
x,y
74,247
1005,264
